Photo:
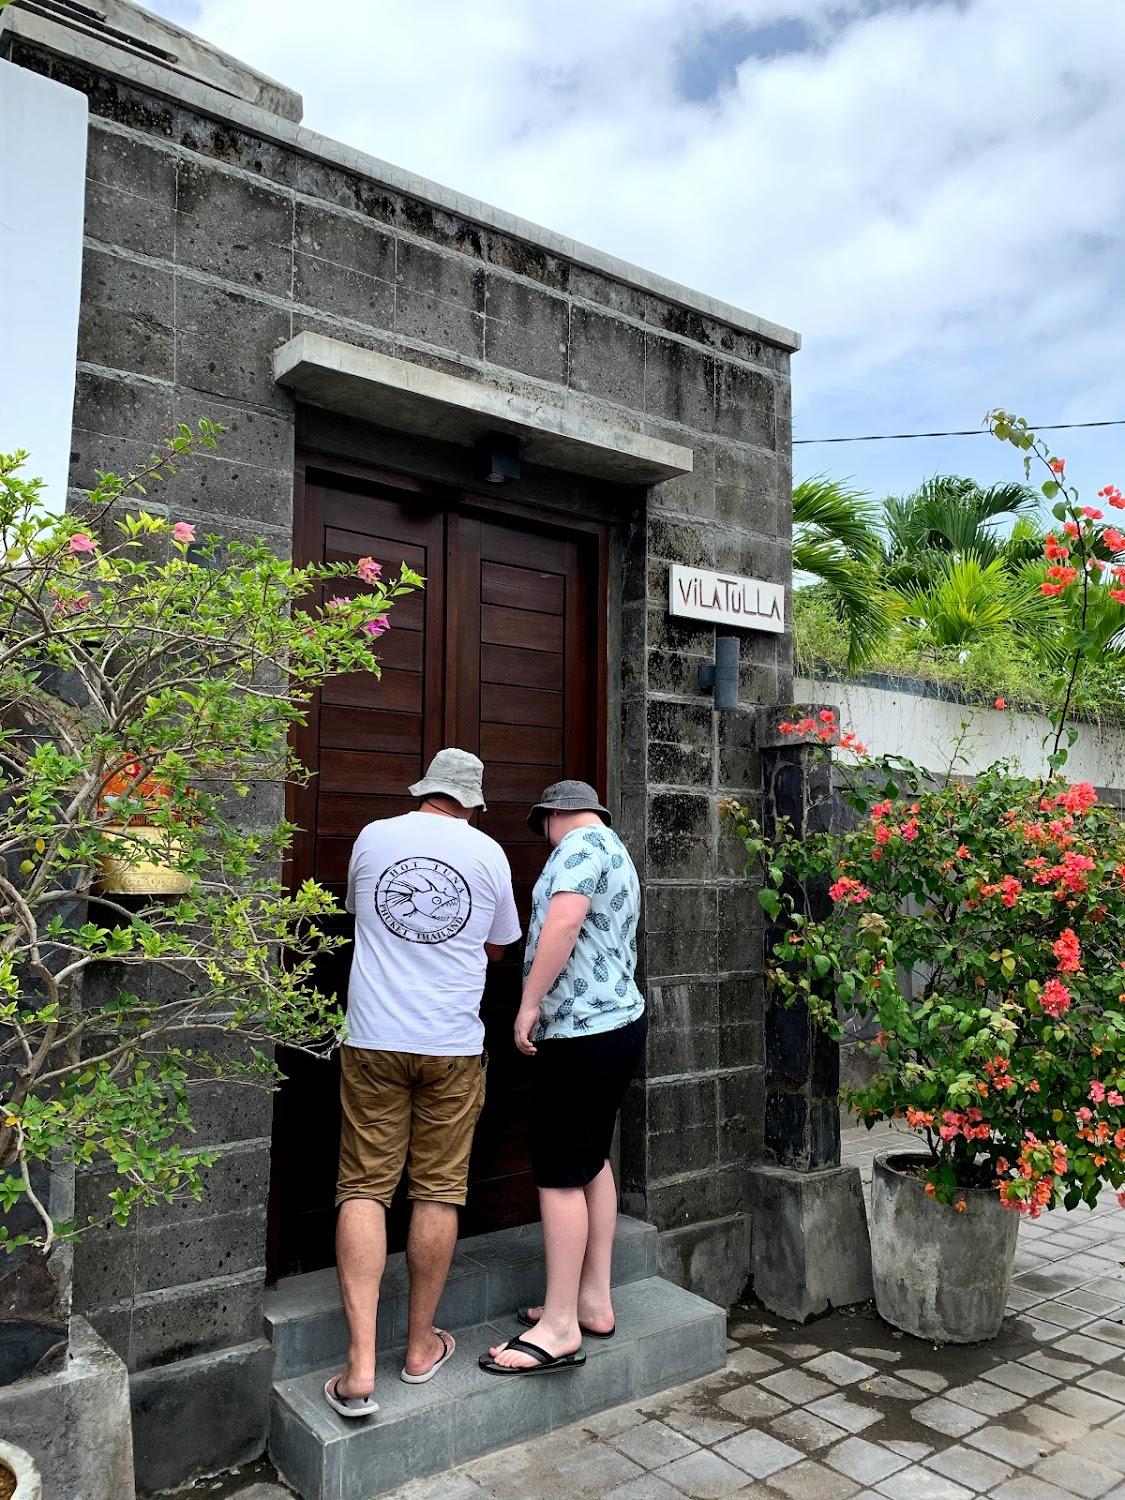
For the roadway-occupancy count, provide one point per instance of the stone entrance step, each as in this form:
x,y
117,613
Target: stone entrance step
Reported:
x,y
664,1337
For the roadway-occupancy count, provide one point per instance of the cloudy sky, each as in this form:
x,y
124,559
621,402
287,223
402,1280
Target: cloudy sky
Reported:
x,y
931,191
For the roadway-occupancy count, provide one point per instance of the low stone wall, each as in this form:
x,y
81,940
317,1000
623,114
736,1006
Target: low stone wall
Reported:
x,y
898,716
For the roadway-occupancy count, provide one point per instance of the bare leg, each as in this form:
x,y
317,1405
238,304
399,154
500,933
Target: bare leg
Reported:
x,y
565,1230
361,1257
595,1303
429,1251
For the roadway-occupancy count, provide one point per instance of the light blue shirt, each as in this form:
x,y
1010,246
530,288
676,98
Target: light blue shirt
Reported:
x,y
596,991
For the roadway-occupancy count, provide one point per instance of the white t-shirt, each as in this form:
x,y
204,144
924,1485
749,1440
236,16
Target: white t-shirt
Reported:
x,y
428,892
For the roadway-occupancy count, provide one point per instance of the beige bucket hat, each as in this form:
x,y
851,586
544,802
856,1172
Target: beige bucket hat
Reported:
x,y
454,773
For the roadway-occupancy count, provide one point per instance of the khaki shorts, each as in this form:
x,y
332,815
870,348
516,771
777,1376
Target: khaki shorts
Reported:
x,y
402,1109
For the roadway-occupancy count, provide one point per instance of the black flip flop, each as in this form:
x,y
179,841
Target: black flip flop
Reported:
x,y
544,1362
590,1333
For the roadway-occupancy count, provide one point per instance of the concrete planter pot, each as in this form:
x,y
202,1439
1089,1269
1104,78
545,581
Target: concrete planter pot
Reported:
x,y
938,1274
22,1467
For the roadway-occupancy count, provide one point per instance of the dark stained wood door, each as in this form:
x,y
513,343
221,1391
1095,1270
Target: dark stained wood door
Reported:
x,y
500,654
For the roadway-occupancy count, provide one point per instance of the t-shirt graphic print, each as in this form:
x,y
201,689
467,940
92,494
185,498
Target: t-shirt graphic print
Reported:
x,y
428,892
596,991
423,900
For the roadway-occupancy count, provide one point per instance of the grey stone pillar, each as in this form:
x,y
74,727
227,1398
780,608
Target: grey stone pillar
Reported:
x,y
810,1247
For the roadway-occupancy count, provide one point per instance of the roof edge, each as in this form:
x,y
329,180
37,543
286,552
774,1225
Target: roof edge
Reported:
x,y
105,56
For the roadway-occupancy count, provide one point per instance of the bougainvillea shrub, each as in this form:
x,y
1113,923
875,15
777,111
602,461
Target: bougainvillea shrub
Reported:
x,y
978,923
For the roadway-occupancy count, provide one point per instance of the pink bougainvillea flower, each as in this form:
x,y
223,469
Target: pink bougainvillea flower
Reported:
x,y
368,569
80,542
1055,998
1052,589
1097,1091
1115,1098
826,716
786,727
183,531
848,890
1000,703
376,627
1114,539
909,830
1121,1197
1068,950
1091,512
1118,595
1085,1114
338,601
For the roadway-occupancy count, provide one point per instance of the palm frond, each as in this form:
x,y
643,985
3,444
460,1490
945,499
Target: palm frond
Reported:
x,y
835,511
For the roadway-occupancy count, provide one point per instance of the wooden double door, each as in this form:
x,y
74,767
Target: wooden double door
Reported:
x,y
501,653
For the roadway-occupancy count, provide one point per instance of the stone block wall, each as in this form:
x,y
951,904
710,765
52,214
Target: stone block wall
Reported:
x,y
214,233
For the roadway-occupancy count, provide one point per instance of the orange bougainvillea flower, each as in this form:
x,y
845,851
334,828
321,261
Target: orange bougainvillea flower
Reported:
x,y
960,1206
930,1190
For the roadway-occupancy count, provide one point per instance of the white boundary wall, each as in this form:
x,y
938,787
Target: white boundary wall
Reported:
x,y
926,730
42,208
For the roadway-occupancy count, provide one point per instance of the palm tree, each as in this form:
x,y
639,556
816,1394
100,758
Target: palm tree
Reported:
x,y
954,576
837,542
952,516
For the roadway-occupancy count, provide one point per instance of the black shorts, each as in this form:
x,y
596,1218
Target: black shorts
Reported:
x,y
579,1085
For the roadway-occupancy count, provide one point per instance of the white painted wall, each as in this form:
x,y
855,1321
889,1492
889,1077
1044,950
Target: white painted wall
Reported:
x,y
42,206
927,731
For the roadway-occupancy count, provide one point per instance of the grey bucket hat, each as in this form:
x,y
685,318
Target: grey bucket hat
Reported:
x,y
453,773
567,796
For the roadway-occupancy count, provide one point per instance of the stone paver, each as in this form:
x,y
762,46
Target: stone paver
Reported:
x,y
846,1408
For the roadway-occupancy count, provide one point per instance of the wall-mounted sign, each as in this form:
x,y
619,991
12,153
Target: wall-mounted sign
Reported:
x,y
723,599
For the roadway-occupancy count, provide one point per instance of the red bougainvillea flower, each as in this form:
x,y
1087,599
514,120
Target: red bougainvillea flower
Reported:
x,y
183,531
368,569
1058,465
848,890
786,727
1068,950
881,810
1078,798
1071,528
81,543
910,830
1114,539
1091,512
1000,703
1053,550
962,851
1118,595
826,716
1055,998
1113,495
1061,574
1052,589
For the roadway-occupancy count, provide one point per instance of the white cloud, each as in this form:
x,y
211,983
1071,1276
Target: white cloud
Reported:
x,y
931,193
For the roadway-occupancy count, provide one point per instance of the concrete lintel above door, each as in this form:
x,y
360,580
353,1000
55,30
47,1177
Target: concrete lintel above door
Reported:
x,y
394,393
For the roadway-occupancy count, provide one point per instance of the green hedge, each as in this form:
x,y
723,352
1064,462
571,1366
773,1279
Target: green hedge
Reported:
x,y
1002,666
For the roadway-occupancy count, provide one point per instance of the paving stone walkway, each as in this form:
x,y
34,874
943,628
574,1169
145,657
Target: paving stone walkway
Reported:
x,y
845,1407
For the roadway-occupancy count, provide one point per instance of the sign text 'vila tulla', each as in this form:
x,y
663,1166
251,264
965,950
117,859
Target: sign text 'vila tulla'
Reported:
x,y
721,599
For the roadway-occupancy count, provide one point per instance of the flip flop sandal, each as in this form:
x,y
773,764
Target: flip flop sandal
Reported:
x,y
349,1406
450,1344
590,1333
544,1364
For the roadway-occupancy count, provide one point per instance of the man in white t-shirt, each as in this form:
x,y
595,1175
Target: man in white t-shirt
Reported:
x,y
433,903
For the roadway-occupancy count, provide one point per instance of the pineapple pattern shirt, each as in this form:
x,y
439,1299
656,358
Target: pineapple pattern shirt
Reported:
x,y
596,991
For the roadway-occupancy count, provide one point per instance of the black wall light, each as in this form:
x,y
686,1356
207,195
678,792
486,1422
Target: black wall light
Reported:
x,y
498,457
720,676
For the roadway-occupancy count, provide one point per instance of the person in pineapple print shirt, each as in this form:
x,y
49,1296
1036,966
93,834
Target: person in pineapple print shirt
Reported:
x,y
582,1019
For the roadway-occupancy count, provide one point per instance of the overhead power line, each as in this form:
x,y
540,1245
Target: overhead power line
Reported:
x,y
889,437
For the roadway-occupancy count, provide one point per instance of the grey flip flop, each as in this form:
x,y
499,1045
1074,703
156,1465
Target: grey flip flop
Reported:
x,y
450,1344
348,1406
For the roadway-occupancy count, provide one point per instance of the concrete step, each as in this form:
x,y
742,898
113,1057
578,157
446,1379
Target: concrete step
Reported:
x,y
491,1274
665,1336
